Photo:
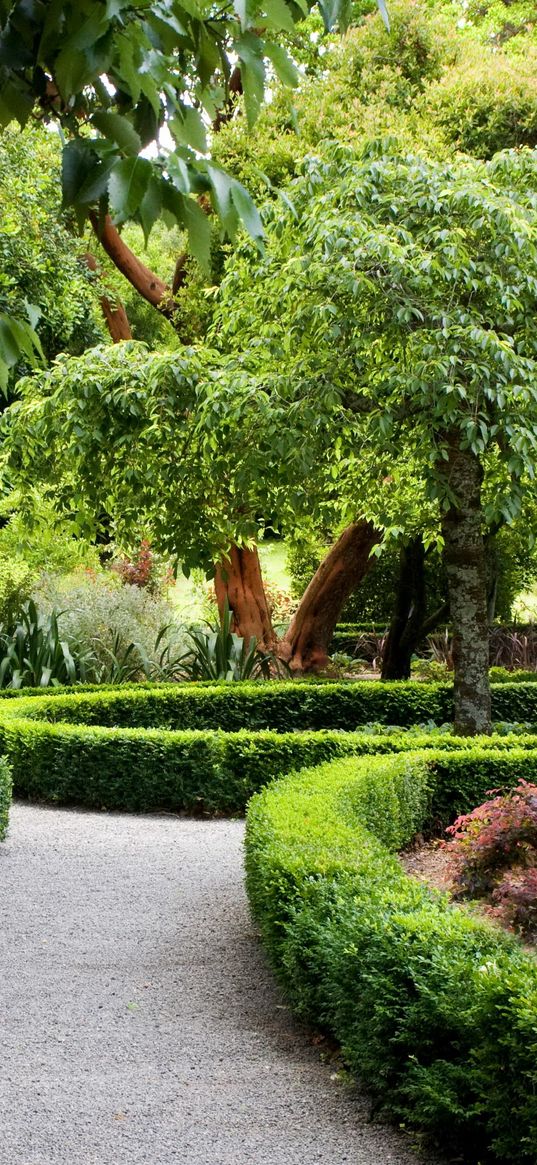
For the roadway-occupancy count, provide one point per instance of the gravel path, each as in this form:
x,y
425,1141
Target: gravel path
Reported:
x,y
138,1021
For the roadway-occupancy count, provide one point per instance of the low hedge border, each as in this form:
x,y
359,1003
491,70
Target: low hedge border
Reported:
x,y
194,771
280,706
5,796
434,1008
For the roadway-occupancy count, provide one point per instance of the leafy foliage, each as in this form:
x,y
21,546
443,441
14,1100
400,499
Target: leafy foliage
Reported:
x,y
499,834
44,285
33,653
5,796
123,631
220,654
145,569
112,74
428,1002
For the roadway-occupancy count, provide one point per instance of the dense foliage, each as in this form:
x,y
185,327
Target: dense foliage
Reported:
x,y
434,1008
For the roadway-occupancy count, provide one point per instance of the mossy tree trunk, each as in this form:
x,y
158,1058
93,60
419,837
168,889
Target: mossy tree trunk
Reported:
x,y
465,562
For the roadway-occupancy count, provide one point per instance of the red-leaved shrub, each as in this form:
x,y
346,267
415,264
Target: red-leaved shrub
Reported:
x,y
494,850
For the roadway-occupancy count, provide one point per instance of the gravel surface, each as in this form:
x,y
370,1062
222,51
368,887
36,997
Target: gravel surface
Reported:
x,y
138,1020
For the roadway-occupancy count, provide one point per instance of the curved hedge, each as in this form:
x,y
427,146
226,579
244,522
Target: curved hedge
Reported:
x,y
280,706
435,1009
186,747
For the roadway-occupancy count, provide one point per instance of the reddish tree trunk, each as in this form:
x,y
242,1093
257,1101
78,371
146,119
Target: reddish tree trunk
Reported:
x,y
116,317
305,646
239,579
149,285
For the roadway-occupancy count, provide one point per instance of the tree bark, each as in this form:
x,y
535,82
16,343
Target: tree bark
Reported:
x,y
305,645
409,612
238,577
464,557
144,281
116,317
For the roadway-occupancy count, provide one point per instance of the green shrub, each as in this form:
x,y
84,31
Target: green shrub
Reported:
x,y
33,653
74,748
435,1009
128,631
5,796
484,110
16,580
282,706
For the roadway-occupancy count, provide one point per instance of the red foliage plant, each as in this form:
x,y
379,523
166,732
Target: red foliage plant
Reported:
x,y
494,852
145,570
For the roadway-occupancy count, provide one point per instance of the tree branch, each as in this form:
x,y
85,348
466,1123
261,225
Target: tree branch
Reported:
x,y
144,281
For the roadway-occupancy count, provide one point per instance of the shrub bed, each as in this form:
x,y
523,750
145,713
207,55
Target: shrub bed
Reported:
x,y
281,706
206,748
193,771
434,1008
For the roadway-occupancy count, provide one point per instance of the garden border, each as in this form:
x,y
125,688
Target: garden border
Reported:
x,y
435,1009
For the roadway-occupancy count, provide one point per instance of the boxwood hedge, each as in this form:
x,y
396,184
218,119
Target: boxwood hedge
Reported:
x,y
185,747
280,706
5,796
435,1009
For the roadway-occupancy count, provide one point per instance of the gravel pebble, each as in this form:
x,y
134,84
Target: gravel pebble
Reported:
x,y
139,1024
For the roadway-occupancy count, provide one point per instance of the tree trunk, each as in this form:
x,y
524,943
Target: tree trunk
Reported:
x,y
464,557
116,317
239,579
409,612
305,646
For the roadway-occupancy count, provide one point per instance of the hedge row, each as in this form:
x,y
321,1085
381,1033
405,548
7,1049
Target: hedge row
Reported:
x,y
194,771
435,1009
280,706
5,796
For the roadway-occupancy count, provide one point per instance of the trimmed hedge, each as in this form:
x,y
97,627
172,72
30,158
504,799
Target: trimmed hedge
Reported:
x,y
74,749
5,796
435,1009
279,706
208,771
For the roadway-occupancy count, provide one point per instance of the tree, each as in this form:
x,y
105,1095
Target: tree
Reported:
x,y
113,73
407,289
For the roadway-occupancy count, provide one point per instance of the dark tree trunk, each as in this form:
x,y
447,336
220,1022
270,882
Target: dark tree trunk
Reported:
x,y
239,578
406,628
464,557
305,646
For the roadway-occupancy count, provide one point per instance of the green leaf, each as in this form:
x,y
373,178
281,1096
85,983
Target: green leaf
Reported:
x,y
128,183
279,15
119,130
72,71
250,50
199,233
188,128
284,67
79,164
221,184
247,211
150,207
